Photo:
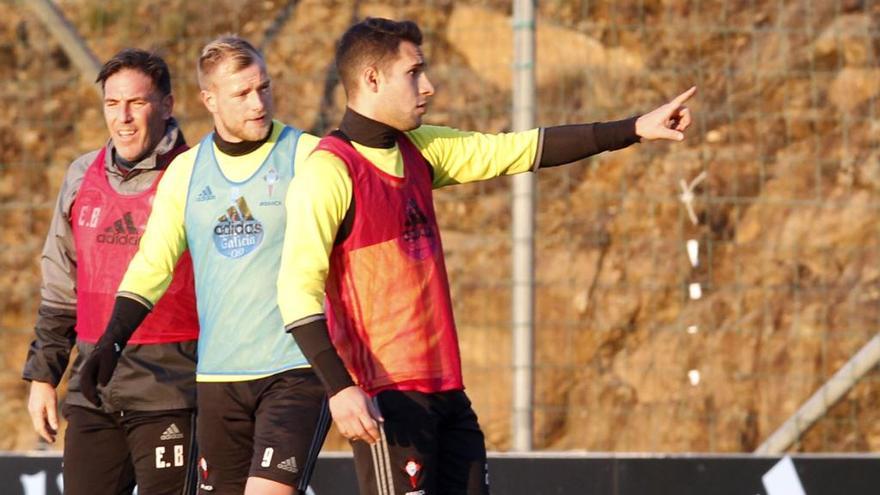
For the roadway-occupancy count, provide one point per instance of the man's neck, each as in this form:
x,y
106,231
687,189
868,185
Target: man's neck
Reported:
x,y
366,131
239,148
124,165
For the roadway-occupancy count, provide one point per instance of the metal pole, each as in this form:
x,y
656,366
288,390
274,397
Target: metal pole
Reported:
x,y
72,44
817,405
523,312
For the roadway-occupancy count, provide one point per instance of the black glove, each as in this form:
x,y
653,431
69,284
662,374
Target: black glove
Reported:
x,y
98,369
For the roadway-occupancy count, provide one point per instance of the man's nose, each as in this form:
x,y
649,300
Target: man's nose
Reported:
x,y
256,101
125,113
425,86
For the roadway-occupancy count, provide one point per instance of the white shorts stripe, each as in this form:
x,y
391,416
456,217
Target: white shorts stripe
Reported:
x,y
382,461
378,472
383,447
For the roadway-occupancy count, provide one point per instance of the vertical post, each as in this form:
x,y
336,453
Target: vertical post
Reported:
x,y
523,297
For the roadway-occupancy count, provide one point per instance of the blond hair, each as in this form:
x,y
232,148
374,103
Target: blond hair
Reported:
x,y
227,47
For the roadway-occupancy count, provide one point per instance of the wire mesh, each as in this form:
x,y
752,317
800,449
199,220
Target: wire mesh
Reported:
x,y
628,358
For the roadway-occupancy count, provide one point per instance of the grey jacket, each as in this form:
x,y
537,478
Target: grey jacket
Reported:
x,y
136,386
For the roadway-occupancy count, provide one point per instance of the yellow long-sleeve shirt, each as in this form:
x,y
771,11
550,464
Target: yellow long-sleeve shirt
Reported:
x,y
320,195
164,239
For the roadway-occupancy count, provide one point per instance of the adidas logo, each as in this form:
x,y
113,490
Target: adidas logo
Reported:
x,y
171,433
206,194
124,225
289,465
123,231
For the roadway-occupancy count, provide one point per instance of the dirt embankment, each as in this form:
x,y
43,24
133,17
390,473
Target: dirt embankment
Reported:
x,y
787,216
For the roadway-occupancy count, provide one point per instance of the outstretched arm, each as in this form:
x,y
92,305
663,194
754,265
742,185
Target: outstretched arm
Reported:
x,y
459,157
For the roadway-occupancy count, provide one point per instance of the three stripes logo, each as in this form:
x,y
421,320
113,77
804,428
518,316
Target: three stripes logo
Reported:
x,y
382,463
171,433
206,194
122,232
288,465
237,232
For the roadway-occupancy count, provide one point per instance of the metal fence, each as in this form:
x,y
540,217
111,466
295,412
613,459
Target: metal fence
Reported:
x,y
655,331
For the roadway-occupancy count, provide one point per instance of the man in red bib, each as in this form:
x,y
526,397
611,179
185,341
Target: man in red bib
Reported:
x,y
143,431
361,230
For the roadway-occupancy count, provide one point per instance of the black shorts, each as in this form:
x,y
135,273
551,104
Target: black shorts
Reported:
x,y
110,453
271,428
431,444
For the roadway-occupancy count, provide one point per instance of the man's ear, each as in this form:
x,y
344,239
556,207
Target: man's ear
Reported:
x,y
209,100
167,106
370,79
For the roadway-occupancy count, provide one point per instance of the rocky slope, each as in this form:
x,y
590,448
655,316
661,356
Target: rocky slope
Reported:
x,y
787,217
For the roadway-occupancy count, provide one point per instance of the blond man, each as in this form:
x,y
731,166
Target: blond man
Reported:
x,y
262,410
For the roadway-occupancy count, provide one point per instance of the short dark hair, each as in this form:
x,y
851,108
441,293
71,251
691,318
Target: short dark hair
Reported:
x,y
148,63
371,41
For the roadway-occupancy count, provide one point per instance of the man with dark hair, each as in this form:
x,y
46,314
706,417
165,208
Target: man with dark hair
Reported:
x,y
262,411
143,429
150,64
361,231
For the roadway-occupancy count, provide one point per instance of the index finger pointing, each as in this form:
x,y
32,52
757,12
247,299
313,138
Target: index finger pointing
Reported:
x,y
680,99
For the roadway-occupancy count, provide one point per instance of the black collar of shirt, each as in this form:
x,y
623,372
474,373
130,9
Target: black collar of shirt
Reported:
x,y
240,148
366,131
124,164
